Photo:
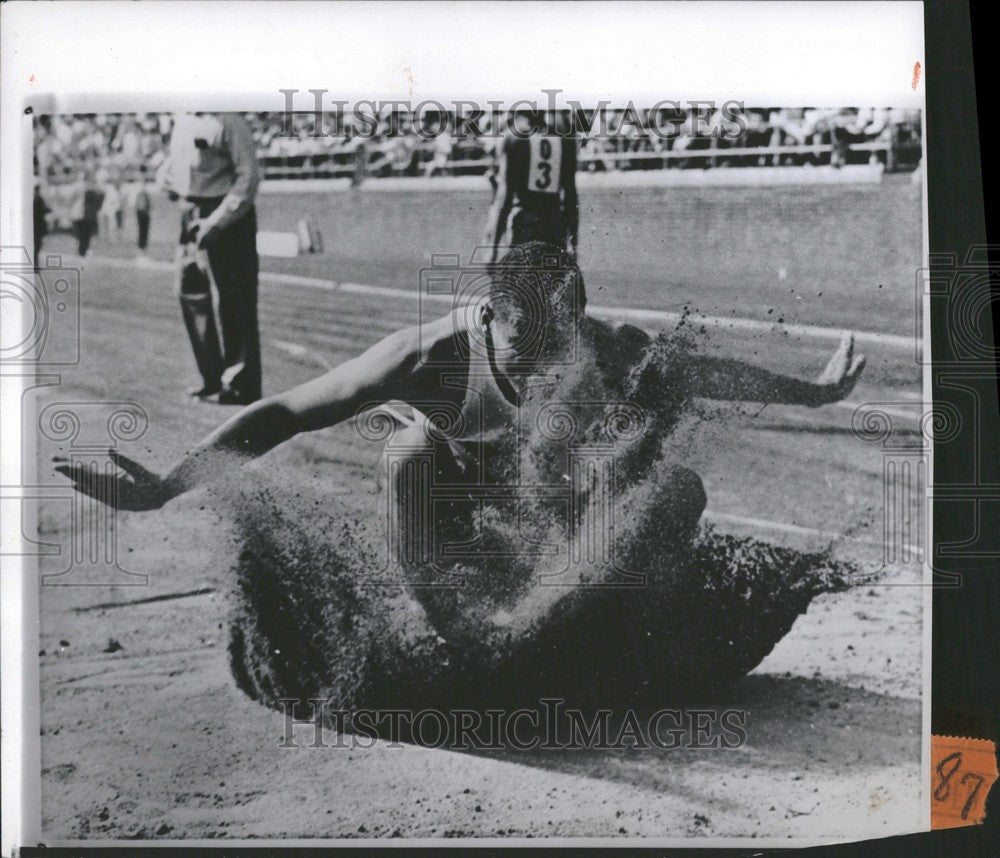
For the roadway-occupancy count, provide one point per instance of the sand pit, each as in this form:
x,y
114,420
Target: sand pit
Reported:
x,y
324,608
309,623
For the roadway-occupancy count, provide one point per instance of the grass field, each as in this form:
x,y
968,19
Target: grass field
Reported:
x,y
154,740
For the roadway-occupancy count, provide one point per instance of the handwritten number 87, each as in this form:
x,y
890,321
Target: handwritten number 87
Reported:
x,y
945,771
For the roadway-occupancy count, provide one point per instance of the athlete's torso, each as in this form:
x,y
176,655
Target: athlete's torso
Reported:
x,y
491,418
537,172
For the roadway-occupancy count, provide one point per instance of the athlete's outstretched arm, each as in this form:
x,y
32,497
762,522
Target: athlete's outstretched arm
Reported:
x,y
386,371
724,378
503,202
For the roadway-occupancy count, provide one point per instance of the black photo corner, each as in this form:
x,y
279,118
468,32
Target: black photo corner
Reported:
x,y
965,659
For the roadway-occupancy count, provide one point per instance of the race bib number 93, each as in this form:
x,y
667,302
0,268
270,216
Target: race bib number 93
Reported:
x,y
546,161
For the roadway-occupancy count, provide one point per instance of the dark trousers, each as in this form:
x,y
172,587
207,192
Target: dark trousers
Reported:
x,y
142,219
232,257
84,230
529,226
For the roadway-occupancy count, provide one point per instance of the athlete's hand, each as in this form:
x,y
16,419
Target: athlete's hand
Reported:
x,y
132,487
842,372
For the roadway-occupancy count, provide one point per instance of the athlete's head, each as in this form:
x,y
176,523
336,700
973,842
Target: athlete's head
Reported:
x,y
536,300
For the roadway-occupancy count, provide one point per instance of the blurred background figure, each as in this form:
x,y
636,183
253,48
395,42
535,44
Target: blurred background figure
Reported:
x,y
84,210
128,142
443,144
360,164
112,213
212,169
40,211
142,203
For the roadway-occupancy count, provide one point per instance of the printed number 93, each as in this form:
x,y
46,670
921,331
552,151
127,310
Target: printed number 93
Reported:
x,y
544,165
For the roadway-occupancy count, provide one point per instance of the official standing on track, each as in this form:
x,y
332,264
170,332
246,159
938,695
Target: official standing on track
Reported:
x,y
212,170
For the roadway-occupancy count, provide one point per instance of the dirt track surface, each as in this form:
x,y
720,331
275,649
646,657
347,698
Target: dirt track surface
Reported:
x,y
154,740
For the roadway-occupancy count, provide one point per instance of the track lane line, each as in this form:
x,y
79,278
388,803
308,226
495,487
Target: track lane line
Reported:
x,y
658,317
661,316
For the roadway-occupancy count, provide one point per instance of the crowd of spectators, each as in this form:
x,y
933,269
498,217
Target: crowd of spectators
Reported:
x,y
121,148
614,141
105,145
94,170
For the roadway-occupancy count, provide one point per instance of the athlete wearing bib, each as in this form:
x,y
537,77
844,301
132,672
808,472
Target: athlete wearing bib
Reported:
x,y
536,188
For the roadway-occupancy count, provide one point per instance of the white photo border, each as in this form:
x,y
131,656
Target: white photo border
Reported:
x,y
168,54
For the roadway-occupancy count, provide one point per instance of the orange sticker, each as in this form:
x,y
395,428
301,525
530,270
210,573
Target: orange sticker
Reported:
x,y
962,772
